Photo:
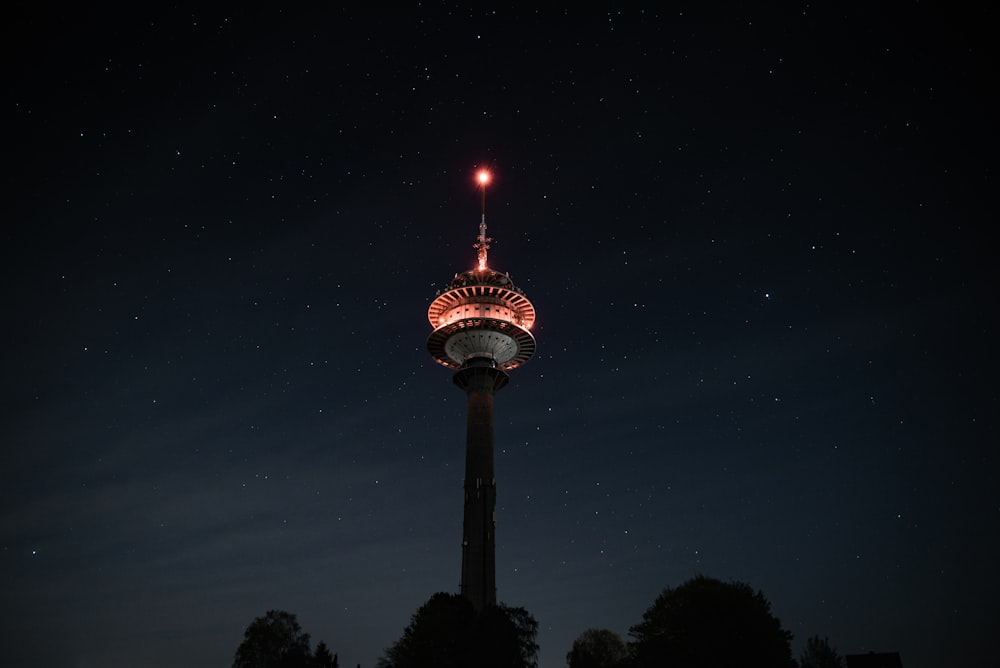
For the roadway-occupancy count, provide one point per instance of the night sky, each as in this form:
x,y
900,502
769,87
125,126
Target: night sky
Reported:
x,y
755,240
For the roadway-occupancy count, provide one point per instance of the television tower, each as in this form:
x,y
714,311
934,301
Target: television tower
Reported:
x,y
482,326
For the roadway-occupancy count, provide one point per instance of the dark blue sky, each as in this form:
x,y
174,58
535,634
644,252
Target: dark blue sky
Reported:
x,y
755,241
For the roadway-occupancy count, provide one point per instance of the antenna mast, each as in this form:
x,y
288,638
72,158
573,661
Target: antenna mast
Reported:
x,y
483,242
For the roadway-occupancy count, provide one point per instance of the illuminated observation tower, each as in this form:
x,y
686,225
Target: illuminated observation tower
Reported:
x,y
482,326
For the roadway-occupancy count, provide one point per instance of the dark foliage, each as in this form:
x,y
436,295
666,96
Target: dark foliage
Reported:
x,y
819,654
706,623
446,632
322,658
597,648
276,641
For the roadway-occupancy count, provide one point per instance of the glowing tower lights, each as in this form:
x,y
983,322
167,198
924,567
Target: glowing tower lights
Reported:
x,y
482,314
482,324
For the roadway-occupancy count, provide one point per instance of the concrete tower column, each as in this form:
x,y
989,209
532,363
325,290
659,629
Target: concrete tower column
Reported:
x,y
481,380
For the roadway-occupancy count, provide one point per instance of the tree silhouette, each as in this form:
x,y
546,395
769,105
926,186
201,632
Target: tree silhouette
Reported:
x,y
447,632
322,658
597,648
439,635
505,637
706,623
277,641
819,654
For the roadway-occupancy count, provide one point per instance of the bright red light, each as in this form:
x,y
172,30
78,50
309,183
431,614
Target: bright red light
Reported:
x,y
483,177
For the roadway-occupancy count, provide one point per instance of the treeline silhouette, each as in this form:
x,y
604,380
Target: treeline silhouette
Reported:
x,y
703,623
277,641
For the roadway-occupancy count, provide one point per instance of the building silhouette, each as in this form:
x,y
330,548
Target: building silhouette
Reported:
x,y
874,660
482,326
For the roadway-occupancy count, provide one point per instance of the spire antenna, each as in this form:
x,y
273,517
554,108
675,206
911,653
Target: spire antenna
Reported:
x,y
483,242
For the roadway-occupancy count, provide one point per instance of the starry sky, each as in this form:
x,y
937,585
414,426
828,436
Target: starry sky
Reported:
x,y
755,239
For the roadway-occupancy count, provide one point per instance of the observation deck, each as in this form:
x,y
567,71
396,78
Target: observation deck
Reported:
x,y
482,314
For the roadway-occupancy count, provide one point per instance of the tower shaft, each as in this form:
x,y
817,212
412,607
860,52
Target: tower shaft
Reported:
x,y
481,380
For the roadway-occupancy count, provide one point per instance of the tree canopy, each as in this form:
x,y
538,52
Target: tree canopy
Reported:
x,y
597,648
276,640
447,632
819,654
706,623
